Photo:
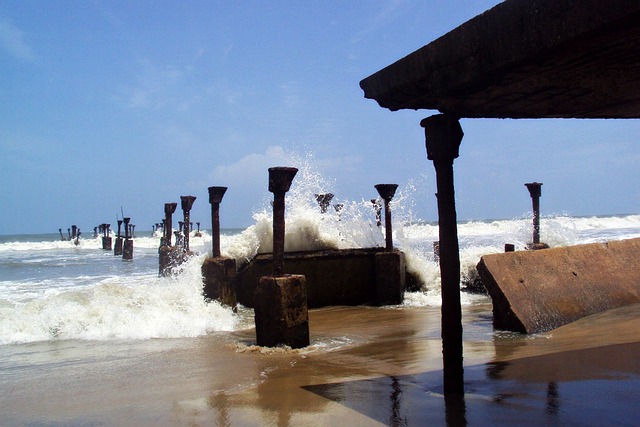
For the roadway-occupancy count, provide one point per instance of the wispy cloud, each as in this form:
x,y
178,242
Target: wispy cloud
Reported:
x,y
12,41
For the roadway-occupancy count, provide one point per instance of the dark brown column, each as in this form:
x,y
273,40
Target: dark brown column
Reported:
x,y
215,197
280,179
443,136
387,191
535,191
169,209
186,203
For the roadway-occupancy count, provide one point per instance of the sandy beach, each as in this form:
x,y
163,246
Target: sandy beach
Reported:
x,y
365,366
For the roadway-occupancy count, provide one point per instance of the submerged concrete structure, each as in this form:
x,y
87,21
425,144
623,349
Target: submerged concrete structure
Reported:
x,y
520,59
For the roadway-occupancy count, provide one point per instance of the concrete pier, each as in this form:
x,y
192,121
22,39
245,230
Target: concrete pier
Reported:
x,y
218,272
186,204
166,253
387,191
117,248
280,301
536,291
127,249
106,238
281,311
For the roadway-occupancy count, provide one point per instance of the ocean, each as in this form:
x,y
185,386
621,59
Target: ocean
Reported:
x,y
87,338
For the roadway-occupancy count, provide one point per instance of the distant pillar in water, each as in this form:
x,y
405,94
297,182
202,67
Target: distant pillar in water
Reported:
x,y
186,203
165,252
74,231
535,190
280,300
127,250
387,191
443,135
169,209
106,238
61,235
95,231
324,200
117,249
215,197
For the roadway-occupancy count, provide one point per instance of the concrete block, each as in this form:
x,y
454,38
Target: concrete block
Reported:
x,y
127,249
390,277
536,291
106,243
117,248
281,313
217,277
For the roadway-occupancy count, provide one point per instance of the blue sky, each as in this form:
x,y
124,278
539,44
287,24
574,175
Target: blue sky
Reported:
x,y
109,104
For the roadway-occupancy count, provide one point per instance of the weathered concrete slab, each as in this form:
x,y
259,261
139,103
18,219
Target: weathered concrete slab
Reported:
x,y
536,291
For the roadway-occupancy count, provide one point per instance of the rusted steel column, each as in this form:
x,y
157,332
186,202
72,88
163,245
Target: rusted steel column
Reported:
x,y
280,179
215,197
169,209
443,135
535,191
127,250
106,239
117,249
324,200
387,191
186,203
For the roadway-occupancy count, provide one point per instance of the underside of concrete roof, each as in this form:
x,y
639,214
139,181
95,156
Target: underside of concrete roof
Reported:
x,y
525,59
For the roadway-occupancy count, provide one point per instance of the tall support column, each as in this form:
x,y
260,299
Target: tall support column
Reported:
x,y
169,209
187,203
387,191
443,136
280,179
215,197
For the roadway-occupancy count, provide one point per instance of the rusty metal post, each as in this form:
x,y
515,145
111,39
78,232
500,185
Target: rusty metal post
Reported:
x,y
186,203
169,209
117,248
215,197
443,135
387,191
535,191
324,200
280,179
127,250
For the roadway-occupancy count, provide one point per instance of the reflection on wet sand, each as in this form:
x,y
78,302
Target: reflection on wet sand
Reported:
x,y
365,366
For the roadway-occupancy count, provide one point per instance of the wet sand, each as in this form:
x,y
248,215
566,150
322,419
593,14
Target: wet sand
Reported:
x,y
366,366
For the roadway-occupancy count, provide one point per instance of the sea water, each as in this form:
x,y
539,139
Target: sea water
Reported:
x,y
53,290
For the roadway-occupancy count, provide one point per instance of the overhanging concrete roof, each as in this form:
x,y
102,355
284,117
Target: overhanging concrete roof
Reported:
x,y
525,59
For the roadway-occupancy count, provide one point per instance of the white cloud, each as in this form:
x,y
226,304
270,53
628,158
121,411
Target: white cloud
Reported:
x,y
12,41
252,167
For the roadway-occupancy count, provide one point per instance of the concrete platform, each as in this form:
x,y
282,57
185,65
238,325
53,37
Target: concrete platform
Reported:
x,y
334,277
536,291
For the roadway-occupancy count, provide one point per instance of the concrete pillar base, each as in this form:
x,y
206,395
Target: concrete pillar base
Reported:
x,y
217,275
127,249
106,243
117,249
166,255
390,278
281,313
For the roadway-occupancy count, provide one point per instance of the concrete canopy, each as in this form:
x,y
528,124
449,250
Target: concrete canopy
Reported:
x,y
525,59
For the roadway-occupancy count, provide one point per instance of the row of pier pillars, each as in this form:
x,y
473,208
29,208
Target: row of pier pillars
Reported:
x,y
73,234
124,244
280,299
170,255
